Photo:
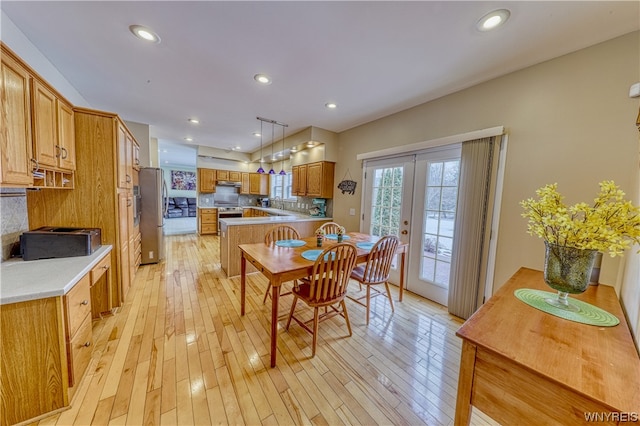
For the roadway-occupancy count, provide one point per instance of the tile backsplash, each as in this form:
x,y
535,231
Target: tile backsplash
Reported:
x,y
13,218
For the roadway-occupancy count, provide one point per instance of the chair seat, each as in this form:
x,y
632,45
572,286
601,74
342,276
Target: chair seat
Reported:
x,y
358,275
303,292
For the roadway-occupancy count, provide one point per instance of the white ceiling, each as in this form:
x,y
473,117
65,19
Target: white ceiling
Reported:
x,y
371,58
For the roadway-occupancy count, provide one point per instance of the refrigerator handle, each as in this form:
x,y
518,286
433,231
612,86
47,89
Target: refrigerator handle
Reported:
x,y
165,196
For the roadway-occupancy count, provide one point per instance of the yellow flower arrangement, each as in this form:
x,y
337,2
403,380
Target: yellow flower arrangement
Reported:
x,y
319,232
341,230
609,226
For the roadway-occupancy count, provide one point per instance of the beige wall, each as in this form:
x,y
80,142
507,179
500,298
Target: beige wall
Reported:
x,y
569,121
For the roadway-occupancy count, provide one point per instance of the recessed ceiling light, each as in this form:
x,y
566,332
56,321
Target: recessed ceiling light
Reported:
x,y
493,20
188,139
310,144
144,33
256,134
331,105
194,120
294,149
237,148
262,79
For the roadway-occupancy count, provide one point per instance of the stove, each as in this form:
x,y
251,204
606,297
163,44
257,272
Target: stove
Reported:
x,y
229,211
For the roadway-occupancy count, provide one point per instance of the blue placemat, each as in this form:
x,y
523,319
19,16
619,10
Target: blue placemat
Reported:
x,y
587,313
365,246
290,243
313,255
335,237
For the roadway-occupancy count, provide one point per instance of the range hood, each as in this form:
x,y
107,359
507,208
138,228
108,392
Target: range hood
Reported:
x,y
228,183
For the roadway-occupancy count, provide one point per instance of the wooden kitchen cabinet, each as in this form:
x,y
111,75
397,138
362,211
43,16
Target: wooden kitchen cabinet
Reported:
x,y
46,347
258,184
320,179
125,208
234,176
222,174
99,200
37,138
77,304
206,180
244,183
207,221
313,179
15,137
125,157
53,128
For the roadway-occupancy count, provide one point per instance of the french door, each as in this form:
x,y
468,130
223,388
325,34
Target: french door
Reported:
x,y
414,197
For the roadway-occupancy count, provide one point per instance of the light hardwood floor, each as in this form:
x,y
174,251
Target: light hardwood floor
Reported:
x,y
178,352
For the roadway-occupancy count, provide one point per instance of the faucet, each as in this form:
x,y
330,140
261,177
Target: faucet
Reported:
x,y
278,203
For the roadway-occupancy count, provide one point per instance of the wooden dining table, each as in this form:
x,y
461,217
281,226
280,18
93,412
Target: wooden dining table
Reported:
x,y
282,264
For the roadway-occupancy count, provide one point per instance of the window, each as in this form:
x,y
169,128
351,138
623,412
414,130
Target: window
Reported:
x,y
281,186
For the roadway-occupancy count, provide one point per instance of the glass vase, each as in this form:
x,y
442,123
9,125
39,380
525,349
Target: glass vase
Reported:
x,y
319,239
339,238
567,270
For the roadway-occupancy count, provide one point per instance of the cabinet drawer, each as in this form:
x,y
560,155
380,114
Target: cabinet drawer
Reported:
x,y
209,218
100,269
79,351
209,229
208,211
77,305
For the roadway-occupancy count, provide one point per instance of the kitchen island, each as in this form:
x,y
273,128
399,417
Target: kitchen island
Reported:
x,y
247,230
46,342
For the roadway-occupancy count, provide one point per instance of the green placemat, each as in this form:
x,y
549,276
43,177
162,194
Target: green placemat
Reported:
x,y
588,314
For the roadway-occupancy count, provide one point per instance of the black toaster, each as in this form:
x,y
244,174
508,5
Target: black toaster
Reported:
x,y
52,242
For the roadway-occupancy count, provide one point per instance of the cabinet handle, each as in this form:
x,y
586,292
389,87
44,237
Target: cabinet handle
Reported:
x,y
33,160
58,151
128,203
64,153
128,179
85,302
404,232
105,267
137,162
87,344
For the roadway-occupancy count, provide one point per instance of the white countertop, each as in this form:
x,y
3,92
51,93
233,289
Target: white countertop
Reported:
x,y
22,280
282,216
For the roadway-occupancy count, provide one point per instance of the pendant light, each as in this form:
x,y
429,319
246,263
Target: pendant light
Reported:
x,y
282,172
271,171
260,170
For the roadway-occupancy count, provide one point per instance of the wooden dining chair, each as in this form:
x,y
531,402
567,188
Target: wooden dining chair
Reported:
x,y
376,271
279,232
326,287
330,227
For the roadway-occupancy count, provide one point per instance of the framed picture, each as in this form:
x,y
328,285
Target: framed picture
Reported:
x,y
183,180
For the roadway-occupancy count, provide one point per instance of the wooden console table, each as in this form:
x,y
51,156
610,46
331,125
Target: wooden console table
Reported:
x,y
521,366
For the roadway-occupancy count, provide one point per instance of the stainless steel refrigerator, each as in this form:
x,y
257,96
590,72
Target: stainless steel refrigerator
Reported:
x,y
153,193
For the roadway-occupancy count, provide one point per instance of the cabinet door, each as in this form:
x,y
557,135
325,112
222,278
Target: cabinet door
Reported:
x,y
244,180
66,137
222,175
295,179
15,136
314,179
258,184
136,156
234,176
45,132
123,178
124,204
302,180
206,180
